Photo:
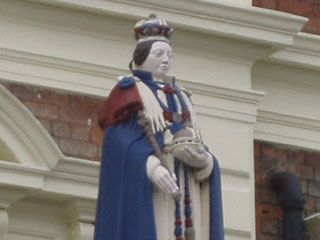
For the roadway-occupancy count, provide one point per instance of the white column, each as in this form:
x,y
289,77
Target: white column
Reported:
x,y
81,215
7,197
227,118
226,109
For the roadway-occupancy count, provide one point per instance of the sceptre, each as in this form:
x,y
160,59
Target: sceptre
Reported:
x,y
145,123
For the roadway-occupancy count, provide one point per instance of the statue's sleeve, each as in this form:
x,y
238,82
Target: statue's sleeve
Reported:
x,y
201,174
123,100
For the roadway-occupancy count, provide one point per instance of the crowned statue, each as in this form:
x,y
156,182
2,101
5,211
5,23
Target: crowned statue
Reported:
x,y
158,180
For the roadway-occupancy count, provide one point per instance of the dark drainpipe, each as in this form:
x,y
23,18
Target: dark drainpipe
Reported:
x,y
288,185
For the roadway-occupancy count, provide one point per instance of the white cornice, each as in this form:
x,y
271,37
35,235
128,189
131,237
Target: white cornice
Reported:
x,y
237,233
247,23
78,167
288,130
23,129
19,176
287,120
235,172
226,103
227,93
61,183
72,76
305,52
68,75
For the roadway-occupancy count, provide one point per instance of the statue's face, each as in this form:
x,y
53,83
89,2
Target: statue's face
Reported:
x,y
159,60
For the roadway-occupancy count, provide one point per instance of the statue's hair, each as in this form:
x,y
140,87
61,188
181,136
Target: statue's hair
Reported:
x,y
140,53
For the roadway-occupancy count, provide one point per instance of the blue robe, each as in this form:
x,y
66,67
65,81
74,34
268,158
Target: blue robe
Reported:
x,y
125,204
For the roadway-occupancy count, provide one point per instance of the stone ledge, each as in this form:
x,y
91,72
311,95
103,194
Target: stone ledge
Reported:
x,y
289,130
304,52
210,18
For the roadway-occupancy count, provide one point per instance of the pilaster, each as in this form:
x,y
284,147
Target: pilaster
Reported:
x,y
290,77
81,215
227,117
7,197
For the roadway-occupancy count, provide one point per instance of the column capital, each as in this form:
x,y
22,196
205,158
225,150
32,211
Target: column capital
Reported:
x,y
81,214
9,196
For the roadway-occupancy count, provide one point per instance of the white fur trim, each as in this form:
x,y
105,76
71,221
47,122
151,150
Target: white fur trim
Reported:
x,y
152,108
192,112
203,173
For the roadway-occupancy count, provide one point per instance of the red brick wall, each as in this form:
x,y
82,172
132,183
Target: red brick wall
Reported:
x,y
70,119
306,8
305,165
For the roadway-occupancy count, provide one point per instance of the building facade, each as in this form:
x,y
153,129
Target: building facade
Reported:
x,y
254,74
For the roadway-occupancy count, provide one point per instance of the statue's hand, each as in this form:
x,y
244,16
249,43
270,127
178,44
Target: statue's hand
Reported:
x,y
160,176
164,180
193,156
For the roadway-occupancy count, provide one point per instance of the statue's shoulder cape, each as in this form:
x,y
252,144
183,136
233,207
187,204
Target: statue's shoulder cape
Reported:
x,y
123,100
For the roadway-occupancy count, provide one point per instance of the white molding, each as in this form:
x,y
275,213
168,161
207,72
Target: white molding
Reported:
x,y
304,52
42,170
288,130
66,185
39,234
289,113
290,121
226,103
212,18
97,74
71,76
285,77
226,35
78,167
17,175
235,172
24,125
222,32
55,182
56,174
102,78
235,233
230,2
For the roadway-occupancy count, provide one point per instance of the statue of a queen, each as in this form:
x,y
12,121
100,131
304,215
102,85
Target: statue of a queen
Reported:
x,y
158,181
